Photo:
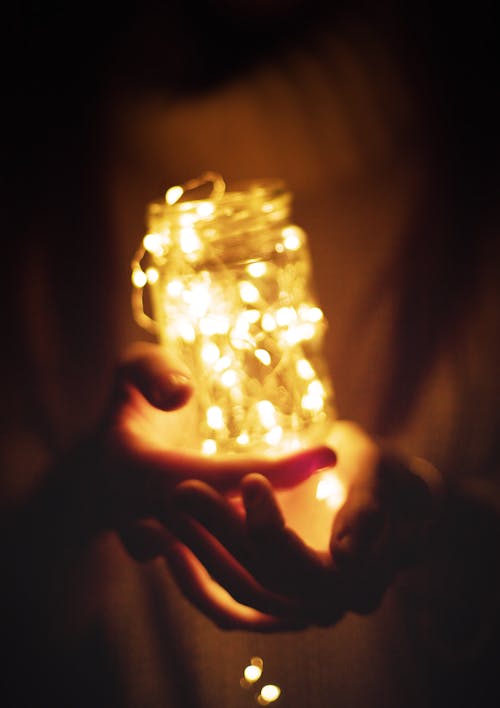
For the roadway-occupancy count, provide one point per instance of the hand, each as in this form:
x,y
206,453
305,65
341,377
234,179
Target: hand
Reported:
x,y
145,460
146,436
265,566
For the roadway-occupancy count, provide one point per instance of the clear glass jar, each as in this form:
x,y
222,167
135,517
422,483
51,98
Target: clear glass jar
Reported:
x,y
233,298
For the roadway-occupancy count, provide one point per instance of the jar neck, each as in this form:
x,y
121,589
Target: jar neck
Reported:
x,y
238,226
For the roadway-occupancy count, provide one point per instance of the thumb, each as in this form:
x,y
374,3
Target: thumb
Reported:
x,y
164,381
357,529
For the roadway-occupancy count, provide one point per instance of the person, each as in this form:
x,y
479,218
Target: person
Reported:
x,y
393,138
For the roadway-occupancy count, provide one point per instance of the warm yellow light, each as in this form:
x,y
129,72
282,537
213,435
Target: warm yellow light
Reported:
x,y
312,402
215,417
153,244
250,316
189,241
186,331
314,314
152,275
139,278
252,673
209,447
175,288
292,237
210,353
269,693
273,437
316,388
248,292
267,414
263,356
229,378
257,269
223,363
304,369
236,304
173,194
330,490
268,322
285,316
205,209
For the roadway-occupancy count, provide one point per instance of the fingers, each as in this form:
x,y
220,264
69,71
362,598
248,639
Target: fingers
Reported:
x,y
164,381
211,599
227,571
286,563
226,473
273,554
357,531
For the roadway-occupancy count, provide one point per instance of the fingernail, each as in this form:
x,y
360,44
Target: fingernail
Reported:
x,y
325,457
177,379
253,493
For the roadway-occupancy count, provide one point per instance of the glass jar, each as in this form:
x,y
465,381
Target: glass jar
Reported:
x,y
233,298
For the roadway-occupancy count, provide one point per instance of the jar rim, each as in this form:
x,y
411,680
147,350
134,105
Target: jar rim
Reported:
x,y
237,193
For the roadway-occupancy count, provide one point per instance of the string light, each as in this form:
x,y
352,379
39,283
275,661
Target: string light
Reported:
x,y
232,297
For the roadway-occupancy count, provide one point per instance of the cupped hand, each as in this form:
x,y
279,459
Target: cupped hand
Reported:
x,y
147,435
255,563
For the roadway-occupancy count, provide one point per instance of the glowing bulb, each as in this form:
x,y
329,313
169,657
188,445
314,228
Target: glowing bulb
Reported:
x,y
229,378
223,363
173,194
139,278
198,299
248,292
316,388
209,447
250,316
267,414
189,241
243,439
268,322
263,356
205,209
292,237
330,490
210,353
304,369
152,275
215,418
252,673
175,288
273,437
314,314
285,316
311,402
153,244
187,219
269,693
186,331
257,270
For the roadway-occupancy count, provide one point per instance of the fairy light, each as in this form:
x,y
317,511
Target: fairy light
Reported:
x,y
215,417
268,694
330,490
210,353
241,314
209,447
248,292
257,269
173,194
263,356
152,275
153,244
304,369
